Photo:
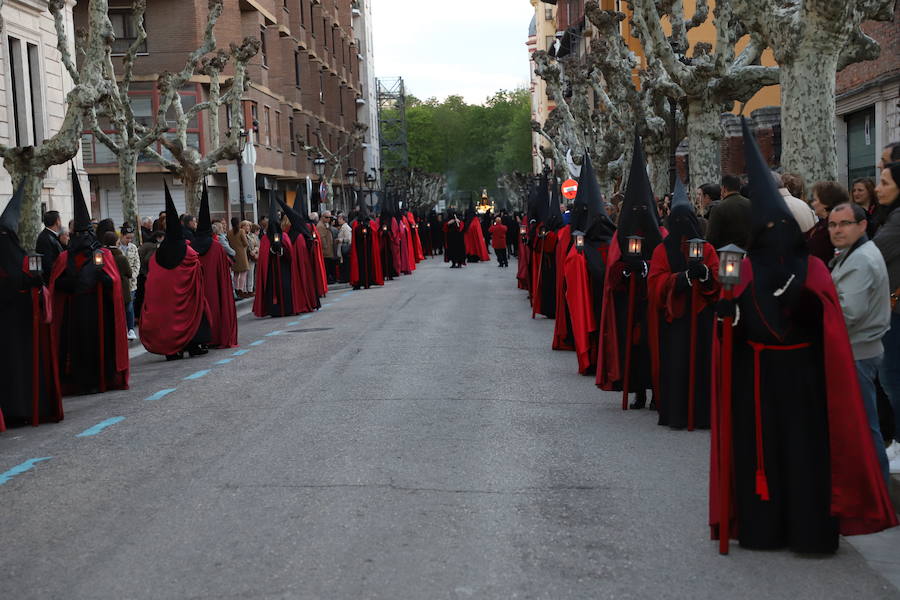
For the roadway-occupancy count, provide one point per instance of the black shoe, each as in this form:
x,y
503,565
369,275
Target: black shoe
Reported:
x,y
176,356
640,400
198,350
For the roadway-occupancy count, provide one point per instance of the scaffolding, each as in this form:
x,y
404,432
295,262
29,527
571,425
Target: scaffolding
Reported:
x,y
392,123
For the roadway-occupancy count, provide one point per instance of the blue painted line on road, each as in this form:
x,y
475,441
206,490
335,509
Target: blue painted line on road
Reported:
x,y
224,361
306,316
198,374
274,333
326,304
160,394
100,427
21,468
258,343
292,323
240,352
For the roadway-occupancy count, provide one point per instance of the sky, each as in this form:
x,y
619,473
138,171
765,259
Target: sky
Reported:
x,y
471,49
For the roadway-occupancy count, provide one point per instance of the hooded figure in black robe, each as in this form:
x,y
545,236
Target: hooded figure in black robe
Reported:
x,y
278,281
637,217
436,223
455,253
544,248
304,251
365,251
681,289
388,232
26,354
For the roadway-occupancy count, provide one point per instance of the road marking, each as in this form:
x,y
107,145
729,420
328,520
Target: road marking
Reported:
x,y
224,361
274,333
198,374
326,304
258,343
306,316
240,352
292,323
19,469
160,394
100,427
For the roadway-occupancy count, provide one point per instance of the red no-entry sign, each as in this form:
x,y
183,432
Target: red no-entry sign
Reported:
x,y
570,189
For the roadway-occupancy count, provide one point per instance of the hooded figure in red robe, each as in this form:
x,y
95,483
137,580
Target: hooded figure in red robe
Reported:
x,y
523,272
279,292
389,240
418,254
543,244
683,291
28,367
476,249
804,466
562,326
176,315
316,257
585,268
303,245
638,217
365,251
216,280
88,328
407,261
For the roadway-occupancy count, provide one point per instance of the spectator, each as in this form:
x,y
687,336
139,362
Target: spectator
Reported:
x,y
498,242
145,253
342,245
130,251
104,226
795,185
146,228
863,193
160,223
889,154
188,226
888,241
861,280
219,233
825,196
708,197
263,226
64,239
110,240
239,243
803,214
48,244
252,231
314,218
326,237
729,221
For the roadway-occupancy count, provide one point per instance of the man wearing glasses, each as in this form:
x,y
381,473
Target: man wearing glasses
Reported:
x,y
860,277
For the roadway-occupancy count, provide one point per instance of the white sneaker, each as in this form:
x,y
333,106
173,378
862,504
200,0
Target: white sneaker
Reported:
x,y
894,465
132,335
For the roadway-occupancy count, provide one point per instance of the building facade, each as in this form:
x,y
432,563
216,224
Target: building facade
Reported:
x,y
305,88
368,103
33,88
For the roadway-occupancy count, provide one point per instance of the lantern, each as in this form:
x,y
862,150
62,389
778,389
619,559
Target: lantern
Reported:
x,y
365,231
34,264
695,249
635,245
276,238
351,176
579,241
384,227
522,230
730,258
98,257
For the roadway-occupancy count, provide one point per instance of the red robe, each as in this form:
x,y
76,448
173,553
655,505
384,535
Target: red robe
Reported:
x,y
859,497
304,258
300,301
474,237
174,305
318,259
375,257
579,299
540,247
561,331
121,340
523,273
417,243
220,296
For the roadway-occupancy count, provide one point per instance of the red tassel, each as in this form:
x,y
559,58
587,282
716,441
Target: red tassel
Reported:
x,y
762,485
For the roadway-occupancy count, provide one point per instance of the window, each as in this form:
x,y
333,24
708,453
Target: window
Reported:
x,y
122,20
28,101
267,133
324,33
302,14
254,120
312,21
308,136
548,14
293,142
334,39
322,87
341,100
262,46
277,130
297,73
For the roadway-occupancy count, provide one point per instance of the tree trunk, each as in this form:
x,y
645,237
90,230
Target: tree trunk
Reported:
x,y
658,158
807,114
128,189
193,189
704,134
30,220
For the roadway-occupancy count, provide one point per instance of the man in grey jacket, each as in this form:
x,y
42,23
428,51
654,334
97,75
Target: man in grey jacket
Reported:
x,y
860,277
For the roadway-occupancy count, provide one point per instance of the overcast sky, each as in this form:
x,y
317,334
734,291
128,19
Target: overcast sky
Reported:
x,y
472,49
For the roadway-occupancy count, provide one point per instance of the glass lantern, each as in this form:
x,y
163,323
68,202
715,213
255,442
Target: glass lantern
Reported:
x,y
98,258
635,245
730,258
579,241
34,264
695,249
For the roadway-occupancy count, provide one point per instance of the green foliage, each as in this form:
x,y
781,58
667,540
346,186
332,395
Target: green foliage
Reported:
x,y
468,143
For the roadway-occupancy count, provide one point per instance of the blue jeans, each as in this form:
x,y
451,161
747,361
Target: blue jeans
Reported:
x,y
889,372
866,370
129,315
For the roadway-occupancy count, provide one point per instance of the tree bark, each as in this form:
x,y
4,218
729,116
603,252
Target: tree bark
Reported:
x,y
128,160
704,135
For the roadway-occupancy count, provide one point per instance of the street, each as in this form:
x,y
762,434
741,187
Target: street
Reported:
x,y
419,440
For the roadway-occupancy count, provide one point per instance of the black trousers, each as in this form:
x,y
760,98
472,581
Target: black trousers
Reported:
x,y
502,258
330,269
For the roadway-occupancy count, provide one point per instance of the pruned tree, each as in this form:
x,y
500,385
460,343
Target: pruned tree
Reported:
x,y
812,40
30,163
421,191
335,159
711,80
515,186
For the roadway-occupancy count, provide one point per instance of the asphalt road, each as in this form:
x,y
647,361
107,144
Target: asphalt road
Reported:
x,y
415,441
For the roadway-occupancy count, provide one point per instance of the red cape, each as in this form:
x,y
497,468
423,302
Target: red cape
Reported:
x,y
219,296
174,304
304,258
417,243
396,237
859,498
474,237
376,257
561,326
580,300
300,301
523,273
121,331
320,276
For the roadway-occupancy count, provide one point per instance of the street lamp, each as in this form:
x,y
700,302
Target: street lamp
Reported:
x,y
319,165
351,177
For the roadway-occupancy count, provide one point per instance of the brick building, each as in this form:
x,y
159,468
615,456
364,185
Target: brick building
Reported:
x,y
868,104
307,76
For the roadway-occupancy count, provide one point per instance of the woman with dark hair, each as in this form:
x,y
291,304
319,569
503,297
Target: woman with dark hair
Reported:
x,y
825,196
863,193
888,241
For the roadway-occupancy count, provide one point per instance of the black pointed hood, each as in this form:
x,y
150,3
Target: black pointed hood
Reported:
x,y
542,200
638,215
589,213
683,225
9,220
173,248
274,232
82,214
300,204
554,212
298,223
203,237
363,214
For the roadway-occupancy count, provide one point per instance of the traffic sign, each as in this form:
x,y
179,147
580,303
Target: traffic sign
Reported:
x,y
570,189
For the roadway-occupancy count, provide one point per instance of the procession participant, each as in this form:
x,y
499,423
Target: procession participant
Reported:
x,y
28,367
476,249
389,237
176,315
544,268
523,273
316,255
217,288
418,254
683,291
498,242
423,225
279,292
365,264
303,252
562,326
407,261
89,330
804,470
455,251
436,220
638,217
